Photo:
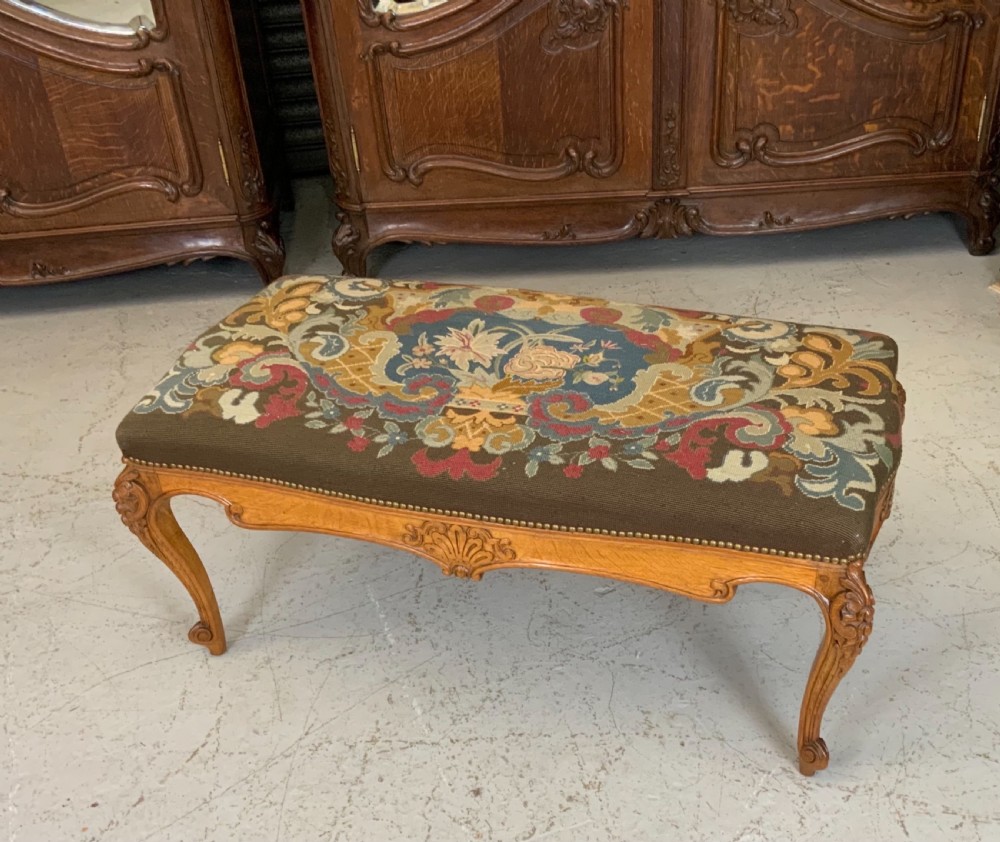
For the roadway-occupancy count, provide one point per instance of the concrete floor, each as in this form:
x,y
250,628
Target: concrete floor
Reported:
x,y
366,697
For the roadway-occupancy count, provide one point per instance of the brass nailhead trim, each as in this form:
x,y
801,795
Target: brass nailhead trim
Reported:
x,y
703,542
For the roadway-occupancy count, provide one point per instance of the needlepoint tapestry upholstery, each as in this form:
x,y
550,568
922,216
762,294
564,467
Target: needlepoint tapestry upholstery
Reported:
x,y
560,410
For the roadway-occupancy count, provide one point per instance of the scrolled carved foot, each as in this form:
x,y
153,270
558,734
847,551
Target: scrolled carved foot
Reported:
x,y
203,635
813,757
145,510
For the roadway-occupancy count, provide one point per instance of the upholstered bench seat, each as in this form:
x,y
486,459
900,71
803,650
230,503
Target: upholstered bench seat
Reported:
x,y
485,419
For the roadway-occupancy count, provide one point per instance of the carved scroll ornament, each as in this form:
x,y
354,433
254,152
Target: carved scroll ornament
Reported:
x,y
132,503
763,17
670,166
668,219
851,613
578,24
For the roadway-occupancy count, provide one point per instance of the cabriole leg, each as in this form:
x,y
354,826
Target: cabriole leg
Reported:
x,y
848,607
146,512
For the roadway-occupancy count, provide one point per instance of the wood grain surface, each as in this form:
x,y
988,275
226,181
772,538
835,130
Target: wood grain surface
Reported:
x,y
470,548
509,121
142,136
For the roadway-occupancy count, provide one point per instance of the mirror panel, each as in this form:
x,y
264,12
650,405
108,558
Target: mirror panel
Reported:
x,y
105,13
404,7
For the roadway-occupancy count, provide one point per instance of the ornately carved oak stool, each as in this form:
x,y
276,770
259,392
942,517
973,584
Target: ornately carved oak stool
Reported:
x,y
488,428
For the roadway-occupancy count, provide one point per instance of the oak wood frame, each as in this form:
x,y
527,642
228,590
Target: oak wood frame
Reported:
x,y
736,179
214,202
468,548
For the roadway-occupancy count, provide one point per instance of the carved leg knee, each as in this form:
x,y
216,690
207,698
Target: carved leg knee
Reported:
x,y
848,606
147,514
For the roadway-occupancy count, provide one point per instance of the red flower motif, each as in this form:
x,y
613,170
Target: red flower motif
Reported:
x,y
651,342
354,423
458,465
694,452
404,324
573,471
494,303
286,384
278,407
601,315
602,451
358,443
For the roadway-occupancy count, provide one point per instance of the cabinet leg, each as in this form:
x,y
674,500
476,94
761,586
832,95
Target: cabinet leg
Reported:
x,y
983,215
350,244
980,236
265,249
146,512
848,607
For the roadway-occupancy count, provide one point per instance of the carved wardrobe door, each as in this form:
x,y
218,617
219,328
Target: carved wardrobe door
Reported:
x,y
795,90
126,145
490,98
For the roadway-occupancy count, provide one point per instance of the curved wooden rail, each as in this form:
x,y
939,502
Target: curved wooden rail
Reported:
x,y
468,548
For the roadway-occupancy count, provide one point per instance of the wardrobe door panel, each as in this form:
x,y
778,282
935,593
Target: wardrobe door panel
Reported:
x,y
798,89
499,97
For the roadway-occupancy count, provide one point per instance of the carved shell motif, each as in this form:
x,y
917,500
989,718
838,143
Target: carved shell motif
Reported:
x,y
463,551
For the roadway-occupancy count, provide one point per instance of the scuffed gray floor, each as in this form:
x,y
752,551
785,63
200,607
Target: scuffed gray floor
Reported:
x,y
366,697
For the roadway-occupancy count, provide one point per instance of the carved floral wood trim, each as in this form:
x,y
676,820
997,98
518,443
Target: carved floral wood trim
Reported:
x,y
132,504
985,200
735,146
338,165
763,17
670,166
564,232
40,271
595,157
460,550
163,76
578,24
347,243
668,219
267,247
253,178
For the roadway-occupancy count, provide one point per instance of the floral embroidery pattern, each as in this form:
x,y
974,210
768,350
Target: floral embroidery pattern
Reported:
x,y
468,382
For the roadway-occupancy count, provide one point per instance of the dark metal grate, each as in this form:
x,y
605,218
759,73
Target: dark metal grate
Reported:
x,y
292,86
